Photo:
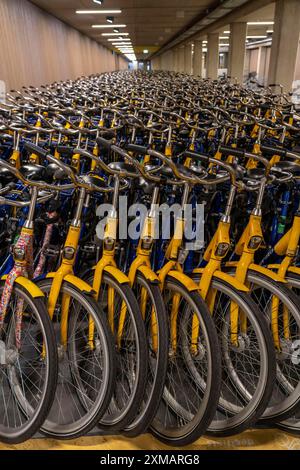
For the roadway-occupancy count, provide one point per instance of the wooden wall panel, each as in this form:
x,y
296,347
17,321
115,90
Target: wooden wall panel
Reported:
x,y
36,48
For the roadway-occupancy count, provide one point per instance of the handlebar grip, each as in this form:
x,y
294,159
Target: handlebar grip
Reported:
x,y
36,149
137,148
232,151
104,143
273,150
64,149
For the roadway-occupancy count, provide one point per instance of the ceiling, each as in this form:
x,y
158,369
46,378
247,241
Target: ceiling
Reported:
x,y
150,23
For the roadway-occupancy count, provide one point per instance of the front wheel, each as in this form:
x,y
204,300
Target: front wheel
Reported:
x,y
86,363
28,372
192,384
248,363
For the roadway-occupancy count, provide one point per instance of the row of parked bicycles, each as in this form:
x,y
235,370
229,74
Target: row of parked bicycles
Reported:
x,y
152,330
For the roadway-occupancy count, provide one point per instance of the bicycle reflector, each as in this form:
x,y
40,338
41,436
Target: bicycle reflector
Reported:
x,y
254,243
222,249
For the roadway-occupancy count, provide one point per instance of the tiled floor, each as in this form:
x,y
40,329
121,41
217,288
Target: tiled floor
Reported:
x,y
255,439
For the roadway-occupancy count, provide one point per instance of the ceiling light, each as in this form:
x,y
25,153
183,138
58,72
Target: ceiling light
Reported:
x,y
256,37
97,12
269,31
114,34
255,23
223,37
145,51
116,30
226,32
109,26
223,44
98,1
119,41
110,19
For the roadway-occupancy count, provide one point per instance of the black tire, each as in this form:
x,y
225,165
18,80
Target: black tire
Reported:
x,y
86,374
157,360
187,408
241,403
36,324
122,409
285,400
292,424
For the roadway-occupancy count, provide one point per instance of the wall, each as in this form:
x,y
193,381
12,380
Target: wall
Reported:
x,y
36,48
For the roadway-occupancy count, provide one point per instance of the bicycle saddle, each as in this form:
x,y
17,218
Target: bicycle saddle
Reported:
x,y
7,177
291,167
122,166
94,180
34,172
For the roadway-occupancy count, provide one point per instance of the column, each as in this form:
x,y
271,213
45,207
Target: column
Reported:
x,y
176,59
212,56
181,58
188,58
197,58
285,43
237,51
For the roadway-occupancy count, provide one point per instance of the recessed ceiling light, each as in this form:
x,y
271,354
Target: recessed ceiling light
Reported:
x,y
269,31
114,34
145,51
110,19
255,23
98,12
256,37
223,37
98,1
116,30
223,44
226,32
109,26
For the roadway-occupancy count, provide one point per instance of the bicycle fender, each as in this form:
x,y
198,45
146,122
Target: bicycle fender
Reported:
x,y
32,288
188,283
230,280
267,272
148,274
76,282
116,274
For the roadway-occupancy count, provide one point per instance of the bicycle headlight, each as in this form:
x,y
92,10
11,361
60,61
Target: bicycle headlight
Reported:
x,y
222,249
254,243
19,254
69,253
146,243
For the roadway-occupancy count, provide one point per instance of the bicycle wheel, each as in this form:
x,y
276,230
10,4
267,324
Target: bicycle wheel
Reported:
x,y
153,311
285,398
193,377
248,368
86,365
28,373
122,310
292,424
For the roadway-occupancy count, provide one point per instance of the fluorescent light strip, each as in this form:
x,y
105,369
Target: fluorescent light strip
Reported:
x,y
256,23
223,37
109,26
226,32
98,12
221,44
114,34
119,40
256,37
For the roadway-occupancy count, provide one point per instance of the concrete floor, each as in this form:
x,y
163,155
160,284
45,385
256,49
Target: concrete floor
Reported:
x,y
251,440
